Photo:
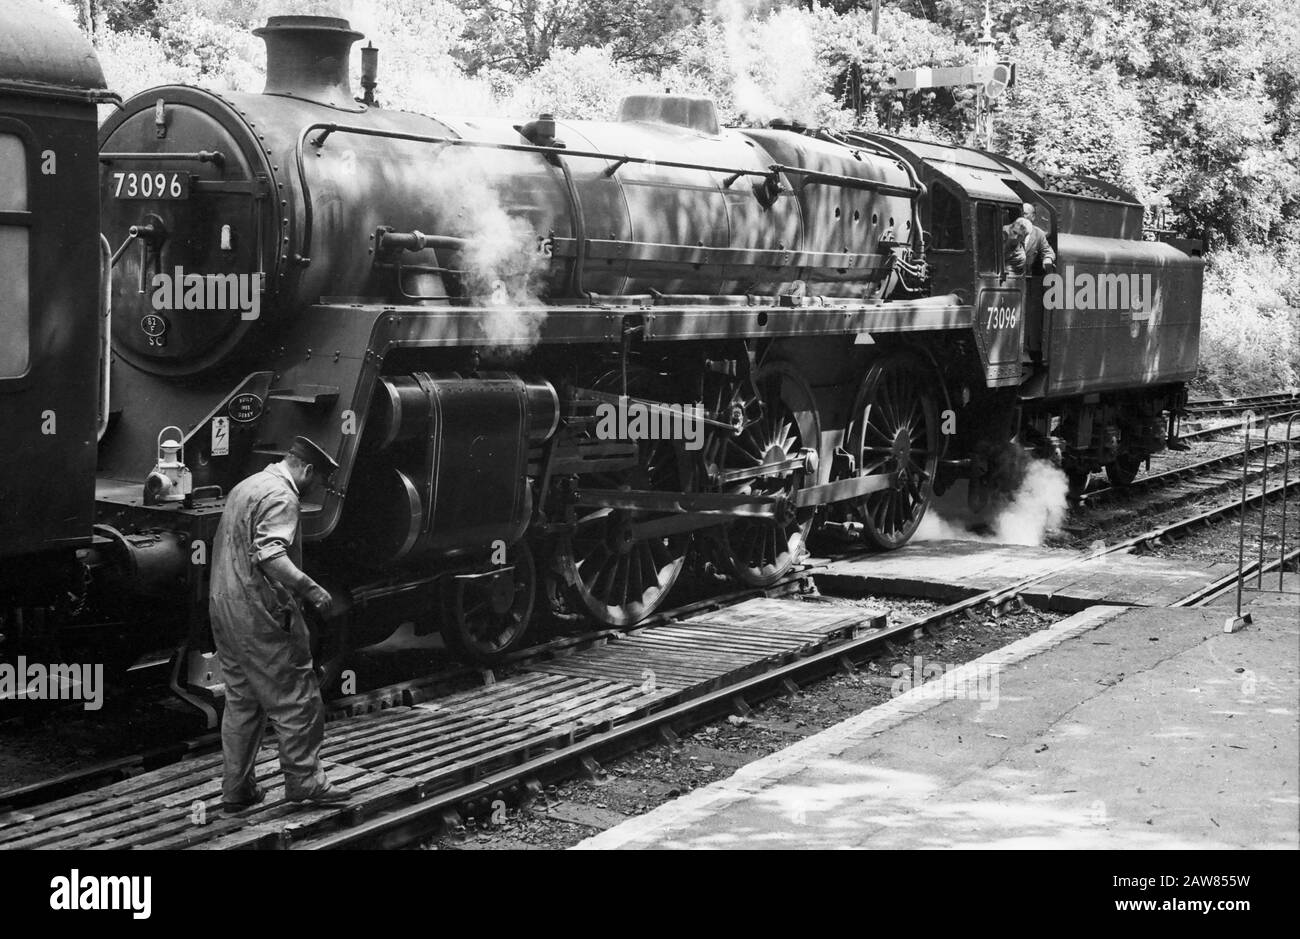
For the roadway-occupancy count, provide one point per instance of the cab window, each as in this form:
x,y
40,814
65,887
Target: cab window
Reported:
x,y
947,226
15,259
992,245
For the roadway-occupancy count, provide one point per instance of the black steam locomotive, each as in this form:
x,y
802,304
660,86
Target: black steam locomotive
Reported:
x,y
555,358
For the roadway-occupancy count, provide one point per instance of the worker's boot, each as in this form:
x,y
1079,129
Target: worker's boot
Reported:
x,y
233,808
326,796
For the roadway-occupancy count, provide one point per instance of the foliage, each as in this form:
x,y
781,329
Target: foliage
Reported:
x,y
585,83
1250,321
518,36
1065,120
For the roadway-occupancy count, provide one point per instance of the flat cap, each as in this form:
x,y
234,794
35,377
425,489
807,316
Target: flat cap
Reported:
x,y
308,452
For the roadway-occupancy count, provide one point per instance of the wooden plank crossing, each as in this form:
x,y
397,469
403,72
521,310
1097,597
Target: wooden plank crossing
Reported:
x,y
712,648
1125,580
940,570
398,756
953,570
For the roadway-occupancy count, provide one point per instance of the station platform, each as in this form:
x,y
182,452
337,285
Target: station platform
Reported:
x,y
953,570
1118,727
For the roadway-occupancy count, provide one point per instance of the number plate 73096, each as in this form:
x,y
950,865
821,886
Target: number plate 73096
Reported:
x,y
151,185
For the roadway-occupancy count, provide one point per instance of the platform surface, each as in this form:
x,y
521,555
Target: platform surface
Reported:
x,y
1118,727
953,570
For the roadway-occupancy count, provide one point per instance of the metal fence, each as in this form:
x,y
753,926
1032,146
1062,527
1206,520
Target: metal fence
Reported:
x,y
1287,556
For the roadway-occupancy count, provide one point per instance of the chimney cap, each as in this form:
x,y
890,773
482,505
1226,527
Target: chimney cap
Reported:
x,y
325,24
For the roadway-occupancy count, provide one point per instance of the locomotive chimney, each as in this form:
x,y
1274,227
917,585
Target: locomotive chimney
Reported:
x,y
307,57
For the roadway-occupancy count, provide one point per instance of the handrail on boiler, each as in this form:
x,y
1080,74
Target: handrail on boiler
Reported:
x,y
772,172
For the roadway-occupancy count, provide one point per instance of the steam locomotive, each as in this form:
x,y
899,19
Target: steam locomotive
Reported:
x,y
455,308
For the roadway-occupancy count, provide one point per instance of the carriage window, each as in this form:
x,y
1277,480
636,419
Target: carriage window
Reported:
x,y
13,174
946,223
15,323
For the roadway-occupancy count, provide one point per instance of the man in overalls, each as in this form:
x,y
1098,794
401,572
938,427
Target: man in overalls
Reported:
x,y
261,635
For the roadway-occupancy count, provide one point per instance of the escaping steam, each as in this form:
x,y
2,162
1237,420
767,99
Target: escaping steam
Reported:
x,y
1034,510
501,262
773,57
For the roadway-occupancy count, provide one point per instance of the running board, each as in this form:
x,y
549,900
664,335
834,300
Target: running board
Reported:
x,y
687,511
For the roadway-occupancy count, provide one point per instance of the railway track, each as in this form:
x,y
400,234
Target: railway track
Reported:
x,y
1205,477
418,761
405,693
427,687
1232,407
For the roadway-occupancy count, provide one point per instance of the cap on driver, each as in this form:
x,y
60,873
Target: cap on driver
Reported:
x,y
307,451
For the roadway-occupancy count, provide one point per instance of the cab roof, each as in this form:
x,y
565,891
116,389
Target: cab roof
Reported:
x,y
42,51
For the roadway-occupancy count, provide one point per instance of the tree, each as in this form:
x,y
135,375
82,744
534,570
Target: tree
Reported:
x,y
516,36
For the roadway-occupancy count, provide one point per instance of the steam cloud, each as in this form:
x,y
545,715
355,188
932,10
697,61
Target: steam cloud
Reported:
x,y
1036,509
502,265
767,83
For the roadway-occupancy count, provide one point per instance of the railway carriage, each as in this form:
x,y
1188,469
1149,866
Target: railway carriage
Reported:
x,y
454,308
53,343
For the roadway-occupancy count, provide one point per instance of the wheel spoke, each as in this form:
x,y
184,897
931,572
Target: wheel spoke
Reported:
x,y
471,626
468,613
635,572
621,586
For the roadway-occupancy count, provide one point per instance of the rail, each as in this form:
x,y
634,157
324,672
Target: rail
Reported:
x,y
1282,402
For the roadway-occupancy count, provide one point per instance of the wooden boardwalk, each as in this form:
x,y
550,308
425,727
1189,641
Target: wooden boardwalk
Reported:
x,y
953,570
398,757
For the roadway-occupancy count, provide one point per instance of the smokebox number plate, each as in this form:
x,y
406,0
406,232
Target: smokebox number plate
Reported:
x,y
141,185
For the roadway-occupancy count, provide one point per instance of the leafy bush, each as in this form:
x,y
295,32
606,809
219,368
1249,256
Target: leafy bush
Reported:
x,y
586,83
1250,321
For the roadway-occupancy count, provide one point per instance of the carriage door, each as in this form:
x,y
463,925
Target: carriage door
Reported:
x,y
1000,295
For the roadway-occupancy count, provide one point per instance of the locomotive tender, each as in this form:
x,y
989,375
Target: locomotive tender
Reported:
x,y
447,306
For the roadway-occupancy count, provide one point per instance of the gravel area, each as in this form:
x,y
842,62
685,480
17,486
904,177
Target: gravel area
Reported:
x,y
1220,542
47,740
